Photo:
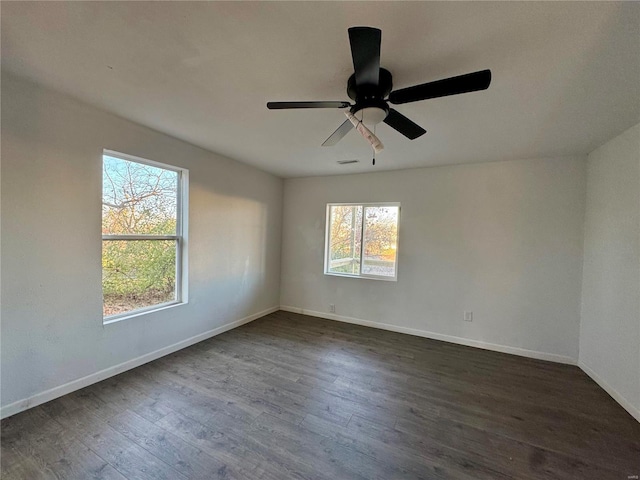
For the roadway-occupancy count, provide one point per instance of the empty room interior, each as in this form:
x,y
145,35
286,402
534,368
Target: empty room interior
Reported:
x,y
320,240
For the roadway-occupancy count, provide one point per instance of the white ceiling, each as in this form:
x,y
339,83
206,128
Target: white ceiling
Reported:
x,y
566,76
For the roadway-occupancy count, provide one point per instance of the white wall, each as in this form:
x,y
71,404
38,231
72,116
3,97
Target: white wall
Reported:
x,y
52,331
501,239
610,327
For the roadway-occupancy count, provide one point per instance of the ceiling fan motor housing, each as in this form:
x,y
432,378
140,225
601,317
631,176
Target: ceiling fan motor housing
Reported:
x,y
370,106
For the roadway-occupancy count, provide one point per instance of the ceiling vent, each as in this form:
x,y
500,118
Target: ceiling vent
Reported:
x,y
347,162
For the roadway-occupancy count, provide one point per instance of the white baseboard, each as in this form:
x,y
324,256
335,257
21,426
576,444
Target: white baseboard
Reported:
x,y
626,404
523,352
53,393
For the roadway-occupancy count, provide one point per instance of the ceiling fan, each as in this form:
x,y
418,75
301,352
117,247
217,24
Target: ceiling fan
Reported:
x,y
371,89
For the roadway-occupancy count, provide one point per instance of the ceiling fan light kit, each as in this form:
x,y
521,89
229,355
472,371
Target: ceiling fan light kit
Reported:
x,y
365,132
371,88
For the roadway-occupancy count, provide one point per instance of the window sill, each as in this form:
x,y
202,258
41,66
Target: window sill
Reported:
x,y
366,277
140,312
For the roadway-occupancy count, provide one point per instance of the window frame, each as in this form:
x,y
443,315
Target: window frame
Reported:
x,y
180,237
327,243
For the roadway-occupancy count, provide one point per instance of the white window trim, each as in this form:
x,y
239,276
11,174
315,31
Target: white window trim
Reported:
x,y
327,245
182,210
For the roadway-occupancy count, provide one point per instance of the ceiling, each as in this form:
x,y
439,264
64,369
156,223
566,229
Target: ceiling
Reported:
x,y
566,75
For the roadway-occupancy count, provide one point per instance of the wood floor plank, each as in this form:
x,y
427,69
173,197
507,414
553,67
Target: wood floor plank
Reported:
x,y
261,398
126,456
433,460
122,397
51,451
540,421
318,453
295,397
190,461
17,464
17,459
230,443
277,396
496,451
71,459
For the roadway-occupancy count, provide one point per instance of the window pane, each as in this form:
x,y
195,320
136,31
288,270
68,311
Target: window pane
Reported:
x,y
345,239
138,199
137,274
380,241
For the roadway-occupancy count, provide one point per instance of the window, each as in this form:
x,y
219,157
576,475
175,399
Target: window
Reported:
x,y
143,213
362,240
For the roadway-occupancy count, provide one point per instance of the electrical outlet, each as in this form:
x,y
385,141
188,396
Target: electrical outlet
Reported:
x,y
332,308
468,316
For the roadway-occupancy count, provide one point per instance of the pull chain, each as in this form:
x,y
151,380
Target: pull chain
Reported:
x,y
374,150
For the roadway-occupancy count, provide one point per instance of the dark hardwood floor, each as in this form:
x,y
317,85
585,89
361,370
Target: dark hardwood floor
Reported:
x,y
291,396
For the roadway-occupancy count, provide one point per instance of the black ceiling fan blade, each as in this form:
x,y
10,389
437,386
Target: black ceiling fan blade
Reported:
x,y
470,82
336,136
283,105
403,125
365,51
